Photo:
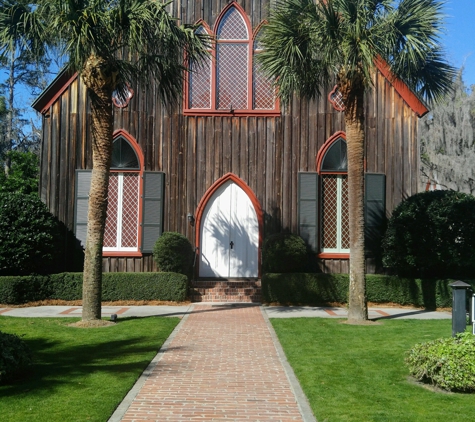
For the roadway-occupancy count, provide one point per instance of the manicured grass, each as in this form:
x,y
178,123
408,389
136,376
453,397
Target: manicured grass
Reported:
x,y
357,373
79,374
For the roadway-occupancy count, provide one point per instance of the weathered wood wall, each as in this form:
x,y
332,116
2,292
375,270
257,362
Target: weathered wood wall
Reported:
x,y
266,152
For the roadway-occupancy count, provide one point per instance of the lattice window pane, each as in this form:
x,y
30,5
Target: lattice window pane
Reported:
x,y
329,208
201,30
263,91
130,210
232,26
257,45
336,98
110,233
335,214
232,76
345,216
200,84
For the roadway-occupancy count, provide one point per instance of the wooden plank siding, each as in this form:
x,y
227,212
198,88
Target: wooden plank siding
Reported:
x,y
194,151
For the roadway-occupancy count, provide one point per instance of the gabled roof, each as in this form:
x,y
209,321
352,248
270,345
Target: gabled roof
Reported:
x,y
66,77
411,99
54,90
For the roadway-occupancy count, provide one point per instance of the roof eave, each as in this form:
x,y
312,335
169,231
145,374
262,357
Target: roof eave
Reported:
x,y
411,99
54,90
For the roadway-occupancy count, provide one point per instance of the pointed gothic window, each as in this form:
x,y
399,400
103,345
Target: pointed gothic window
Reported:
x,y
335,230
230,81
122,221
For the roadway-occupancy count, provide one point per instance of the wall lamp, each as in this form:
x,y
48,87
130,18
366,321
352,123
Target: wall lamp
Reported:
x,y
191,219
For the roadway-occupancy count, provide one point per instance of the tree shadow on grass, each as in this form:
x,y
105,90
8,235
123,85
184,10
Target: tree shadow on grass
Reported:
x,y
56,363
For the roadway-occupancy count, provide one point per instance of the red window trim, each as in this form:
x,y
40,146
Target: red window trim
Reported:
x,y
138,150
320,156
213,111
121,254
333,255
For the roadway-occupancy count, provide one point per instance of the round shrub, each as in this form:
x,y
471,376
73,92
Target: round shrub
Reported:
x,y
15,356
173,253
29,235
447,363
284,253
432,234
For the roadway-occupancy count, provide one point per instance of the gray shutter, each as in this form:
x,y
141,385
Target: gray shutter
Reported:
x,y
308,208
81,203
152,209
375,211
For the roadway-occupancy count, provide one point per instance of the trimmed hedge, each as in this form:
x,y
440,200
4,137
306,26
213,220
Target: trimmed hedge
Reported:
x,y
115,286
284,253
319,289
173,253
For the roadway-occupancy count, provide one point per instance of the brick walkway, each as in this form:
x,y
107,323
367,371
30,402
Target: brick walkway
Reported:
x,y
221,365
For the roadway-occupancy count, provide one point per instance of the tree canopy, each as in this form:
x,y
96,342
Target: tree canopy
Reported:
x,y
109,43
309,44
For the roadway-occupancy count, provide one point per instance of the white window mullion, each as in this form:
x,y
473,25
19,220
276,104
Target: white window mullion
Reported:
x,y
338,212
120,195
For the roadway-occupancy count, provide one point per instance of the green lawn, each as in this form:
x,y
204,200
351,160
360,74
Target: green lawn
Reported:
x,y
357,373
79,374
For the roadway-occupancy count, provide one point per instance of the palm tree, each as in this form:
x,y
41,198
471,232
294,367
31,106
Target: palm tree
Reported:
x,y
308,44
110,43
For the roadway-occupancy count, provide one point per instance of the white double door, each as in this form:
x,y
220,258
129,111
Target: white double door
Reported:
x,y
229,235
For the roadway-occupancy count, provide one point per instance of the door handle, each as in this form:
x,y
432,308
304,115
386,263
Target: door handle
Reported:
x,y
231,244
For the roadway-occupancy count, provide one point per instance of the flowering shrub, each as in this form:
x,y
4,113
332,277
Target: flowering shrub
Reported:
x,y
448,363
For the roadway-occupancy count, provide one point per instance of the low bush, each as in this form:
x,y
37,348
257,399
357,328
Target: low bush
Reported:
x,y
29,235
284,253
115,286
15,356
432,234
173,253
448,363
320,289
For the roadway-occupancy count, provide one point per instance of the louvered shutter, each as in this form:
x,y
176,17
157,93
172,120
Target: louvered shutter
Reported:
x,y
375,211
81,204
152,209
308,208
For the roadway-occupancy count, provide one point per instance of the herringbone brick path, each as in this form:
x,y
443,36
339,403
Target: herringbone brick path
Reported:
x,y
222,365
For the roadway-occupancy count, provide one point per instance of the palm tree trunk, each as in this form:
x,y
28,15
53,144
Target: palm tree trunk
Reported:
x,y
101,128
354,119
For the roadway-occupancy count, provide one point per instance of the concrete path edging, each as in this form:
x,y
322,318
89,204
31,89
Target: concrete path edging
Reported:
x,y
302,401
130,396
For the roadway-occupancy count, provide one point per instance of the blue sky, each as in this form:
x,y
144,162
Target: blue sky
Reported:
x,y
459,39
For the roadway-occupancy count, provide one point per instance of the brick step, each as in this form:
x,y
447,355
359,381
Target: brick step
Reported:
x,y
226,291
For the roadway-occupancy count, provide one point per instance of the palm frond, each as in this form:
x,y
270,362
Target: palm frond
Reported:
x,y
412,47
307,43
21,28
289,56
138,39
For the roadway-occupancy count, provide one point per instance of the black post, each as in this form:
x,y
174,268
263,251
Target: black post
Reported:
x,y
459,307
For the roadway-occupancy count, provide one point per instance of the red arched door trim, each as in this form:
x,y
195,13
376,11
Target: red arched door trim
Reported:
x,y
209,194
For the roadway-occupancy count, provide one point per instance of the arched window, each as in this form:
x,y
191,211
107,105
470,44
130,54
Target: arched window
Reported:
x,y
199,80
135,204
122,222
335,231
230,82
323,207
